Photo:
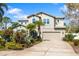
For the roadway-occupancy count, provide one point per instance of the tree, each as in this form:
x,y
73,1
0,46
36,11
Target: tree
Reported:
x,y
2,6
6,20
31,26
39,24
72,10
72,13
15,24
1,25
72,27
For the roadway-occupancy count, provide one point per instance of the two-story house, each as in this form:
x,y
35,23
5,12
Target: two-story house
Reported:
x,y
54,27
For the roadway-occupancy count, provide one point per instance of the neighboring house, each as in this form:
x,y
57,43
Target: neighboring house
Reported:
x,y
54,26
22,22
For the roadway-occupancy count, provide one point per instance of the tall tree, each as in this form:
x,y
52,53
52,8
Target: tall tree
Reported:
x,y
2,6
39,24
1,25
72,13
6,20
31,27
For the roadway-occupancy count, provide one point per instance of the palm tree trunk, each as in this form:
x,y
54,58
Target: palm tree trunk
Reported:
x,y
5,26
39,31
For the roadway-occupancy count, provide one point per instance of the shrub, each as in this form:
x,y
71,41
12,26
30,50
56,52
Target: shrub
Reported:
x,y
33,33
14,46
23,31
28,40
18,47
68,37
8,33
2,47
1,32
10,44
2,42
19,37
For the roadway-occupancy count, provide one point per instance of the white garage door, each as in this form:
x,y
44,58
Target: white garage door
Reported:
x,y
51,35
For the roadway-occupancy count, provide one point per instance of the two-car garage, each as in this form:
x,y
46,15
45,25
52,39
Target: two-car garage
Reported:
x,y
51,35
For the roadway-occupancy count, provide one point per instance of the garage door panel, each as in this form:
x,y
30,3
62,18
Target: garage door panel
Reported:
x,y
51,35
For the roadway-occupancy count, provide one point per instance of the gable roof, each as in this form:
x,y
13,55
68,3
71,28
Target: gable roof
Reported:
x,y
45,14
33,15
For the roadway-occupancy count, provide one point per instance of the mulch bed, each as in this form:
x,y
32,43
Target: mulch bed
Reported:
x,y
76,48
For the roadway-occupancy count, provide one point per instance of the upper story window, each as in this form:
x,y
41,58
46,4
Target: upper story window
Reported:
x,y
33,20
46,21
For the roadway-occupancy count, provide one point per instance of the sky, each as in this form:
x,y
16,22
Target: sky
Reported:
x,y
17,11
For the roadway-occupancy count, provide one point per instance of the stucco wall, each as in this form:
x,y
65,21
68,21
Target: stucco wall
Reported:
x,y
60,23
47,27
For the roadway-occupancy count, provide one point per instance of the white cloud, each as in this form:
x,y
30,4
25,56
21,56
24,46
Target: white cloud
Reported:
x,y
14,11
22,16
17,13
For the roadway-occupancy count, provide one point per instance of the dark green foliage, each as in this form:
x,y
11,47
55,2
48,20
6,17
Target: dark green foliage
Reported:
x,y
33,33
2,6
31,26
68,37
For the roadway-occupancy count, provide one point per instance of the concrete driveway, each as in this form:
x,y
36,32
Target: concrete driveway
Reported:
x,y
46,48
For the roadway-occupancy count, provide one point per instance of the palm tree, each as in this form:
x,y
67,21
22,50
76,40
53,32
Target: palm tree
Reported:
x,y
31,27
2,6
6,20
1,25
15,24
39,24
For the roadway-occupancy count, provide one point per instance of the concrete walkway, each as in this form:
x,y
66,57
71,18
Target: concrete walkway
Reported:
x,y
46,48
